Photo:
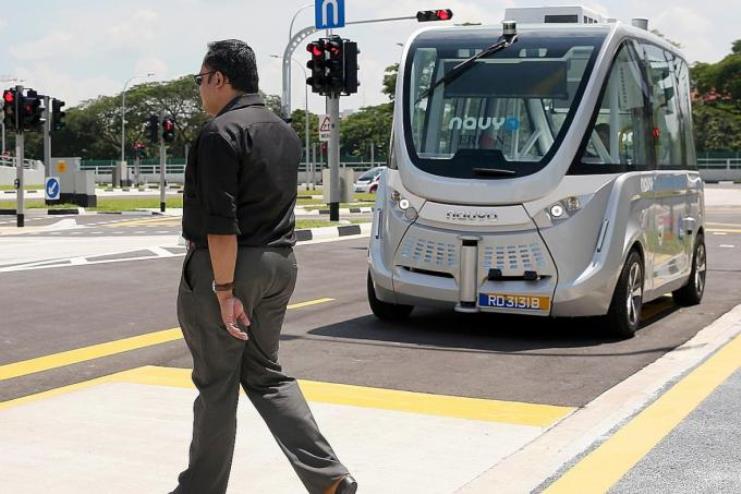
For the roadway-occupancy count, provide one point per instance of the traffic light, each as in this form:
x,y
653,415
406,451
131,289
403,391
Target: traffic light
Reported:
x,y
152,125
318,67
168,129
335,65
350,55
139,150
9,109
434,15
31,111
57,115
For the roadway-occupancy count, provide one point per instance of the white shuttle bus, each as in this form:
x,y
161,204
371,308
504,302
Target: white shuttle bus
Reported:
x,y
541,168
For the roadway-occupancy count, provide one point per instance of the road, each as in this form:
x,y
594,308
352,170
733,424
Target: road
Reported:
x,y
334,338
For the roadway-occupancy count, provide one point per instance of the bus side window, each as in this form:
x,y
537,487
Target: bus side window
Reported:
x,y
688,140
666,131
619,135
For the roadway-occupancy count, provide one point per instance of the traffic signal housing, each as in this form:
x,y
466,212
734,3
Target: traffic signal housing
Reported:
x,y
9,109
318,66
57,115
31,111
168,129
434,15
334,66
350,61
139,150
151,128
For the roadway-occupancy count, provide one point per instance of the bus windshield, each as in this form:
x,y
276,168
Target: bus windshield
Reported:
x,y
507,113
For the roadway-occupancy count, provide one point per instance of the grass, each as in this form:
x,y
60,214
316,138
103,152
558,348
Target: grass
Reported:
x,y
105,204
25,187
110,204
306,224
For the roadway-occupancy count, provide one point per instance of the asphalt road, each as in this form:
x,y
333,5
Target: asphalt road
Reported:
x,y
557,362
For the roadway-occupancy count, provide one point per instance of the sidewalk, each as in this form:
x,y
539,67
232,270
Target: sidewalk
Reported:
x,y
130,432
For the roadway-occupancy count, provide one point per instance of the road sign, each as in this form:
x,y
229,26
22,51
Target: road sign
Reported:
x,y
329,14
52,189
61,167
325,127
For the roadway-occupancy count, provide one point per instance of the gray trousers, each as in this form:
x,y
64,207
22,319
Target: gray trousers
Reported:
x,y
264,281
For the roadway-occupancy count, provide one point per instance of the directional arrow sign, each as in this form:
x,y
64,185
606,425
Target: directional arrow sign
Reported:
x,y
52,189
329,13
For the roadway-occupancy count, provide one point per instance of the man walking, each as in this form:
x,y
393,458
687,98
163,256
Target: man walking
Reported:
x,y
238,276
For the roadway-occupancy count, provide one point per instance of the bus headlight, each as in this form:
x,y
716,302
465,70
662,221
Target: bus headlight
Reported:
x,y
566,208
404,206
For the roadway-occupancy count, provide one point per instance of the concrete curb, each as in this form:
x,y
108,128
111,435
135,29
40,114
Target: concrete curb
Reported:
x,y
331,232
320,212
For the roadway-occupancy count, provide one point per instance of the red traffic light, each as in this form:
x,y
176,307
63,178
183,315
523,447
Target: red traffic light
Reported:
x,y
315,49
434,15
168,125
444,15
8,96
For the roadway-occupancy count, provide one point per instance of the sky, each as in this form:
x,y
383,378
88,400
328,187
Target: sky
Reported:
x,y
78,49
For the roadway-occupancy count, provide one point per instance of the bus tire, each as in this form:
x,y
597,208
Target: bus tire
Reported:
x,y
692,292
624,315
384,310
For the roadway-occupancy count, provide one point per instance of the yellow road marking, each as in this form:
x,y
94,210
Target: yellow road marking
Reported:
x,y
342,394
61,359
607,464
310,303
727,230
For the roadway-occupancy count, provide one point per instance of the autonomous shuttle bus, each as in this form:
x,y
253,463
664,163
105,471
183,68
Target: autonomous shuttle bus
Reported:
x,y
544,168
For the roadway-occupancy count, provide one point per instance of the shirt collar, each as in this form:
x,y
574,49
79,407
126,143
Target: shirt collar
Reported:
x,y
243,101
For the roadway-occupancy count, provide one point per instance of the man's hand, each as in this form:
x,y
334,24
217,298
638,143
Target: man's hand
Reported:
x,y
232,312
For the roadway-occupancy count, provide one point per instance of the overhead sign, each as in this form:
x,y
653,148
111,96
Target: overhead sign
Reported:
x,y
329,14
52,189
325,126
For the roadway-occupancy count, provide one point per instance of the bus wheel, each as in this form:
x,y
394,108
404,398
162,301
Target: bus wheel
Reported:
x,y
625,309
384,310
692,292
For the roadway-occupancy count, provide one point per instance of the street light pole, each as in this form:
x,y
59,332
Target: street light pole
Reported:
x,y
306,115
123,114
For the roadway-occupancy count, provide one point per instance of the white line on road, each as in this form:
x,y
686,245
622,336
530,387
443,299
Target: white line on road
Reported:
x,y
727,246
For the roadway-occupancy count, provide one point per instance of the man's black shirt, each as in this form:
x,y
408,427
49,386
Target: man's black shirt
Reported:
x,y
241,177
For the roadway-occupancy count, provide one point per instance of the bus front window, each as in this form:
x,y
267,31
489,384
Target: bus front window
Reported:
x,y
508,111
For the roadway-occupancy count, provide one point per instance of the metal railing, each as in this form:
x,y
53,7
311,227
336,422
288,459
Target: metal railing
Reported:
x,y
719,163
27,164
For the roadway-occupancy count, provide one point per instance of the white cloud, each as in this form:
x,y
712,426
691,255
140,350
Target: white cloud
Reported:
x,y
63,85
53,44
152,65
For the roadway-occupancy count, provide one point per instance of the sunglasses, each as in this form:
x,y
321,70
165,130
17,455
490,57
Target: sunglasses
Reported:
x,y
199,77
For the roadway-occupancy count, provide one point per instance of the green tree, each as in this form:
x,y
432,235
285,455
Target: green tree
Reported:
x,y
717,106
389,81
298,122
371,124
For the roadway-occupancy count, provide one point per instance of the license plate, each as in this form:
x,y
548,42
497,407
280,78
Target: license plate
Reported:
x,y
515,302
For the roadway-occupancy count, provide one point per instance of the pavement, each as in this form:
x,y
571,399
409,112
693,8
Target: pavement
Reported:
x,y
95,379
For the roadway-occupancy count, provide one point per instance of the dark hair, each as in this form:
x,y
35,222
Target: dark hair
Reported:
x,y
236,60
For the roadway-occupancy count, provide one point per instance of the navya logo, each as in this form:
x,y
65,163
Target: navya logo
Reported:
x,y
474,217
510,124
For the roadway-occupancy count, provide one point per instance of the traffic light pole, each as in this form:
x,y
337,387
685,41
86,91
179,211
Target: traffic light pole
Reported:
x,y
19,152
163,162
333,151
47,137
